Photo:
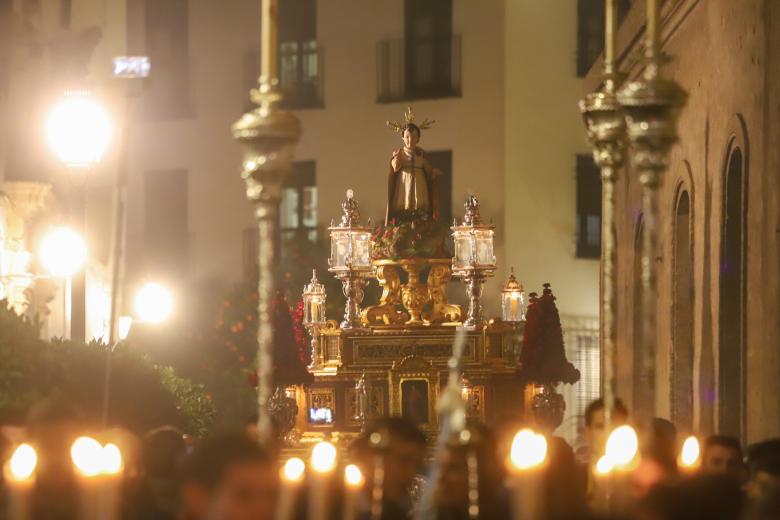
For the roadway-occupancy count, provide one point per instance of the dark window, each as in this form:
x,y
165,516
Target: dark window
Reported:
x,y
588,208
300,63
682,317
426,63
732,299
442,160
166,229
297,215
298,209
590,31
167,44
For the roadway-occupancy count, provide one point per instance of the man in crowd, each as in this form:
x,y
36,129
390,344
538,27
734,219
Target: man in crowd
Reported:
x,y
401,446
228,477
595,429
722,455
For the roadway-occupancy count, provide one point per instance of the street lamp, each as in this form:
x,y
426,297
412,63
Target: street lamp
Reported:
x,y
153,303
62,254
78,130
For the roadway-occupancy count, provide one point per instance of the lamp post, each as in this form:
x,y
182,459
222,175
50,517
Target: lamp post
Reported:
x,y
350,259
474,260
62,254
78,130
314,315
268,135
651,105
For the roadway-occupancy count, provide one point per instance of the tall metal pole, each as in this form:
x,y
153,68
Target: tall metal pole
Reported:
x,y
605,125
651,105
268,135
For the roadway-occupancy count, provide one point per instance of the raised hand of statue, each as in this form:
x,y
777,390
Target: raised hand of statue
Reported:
x,y
394,162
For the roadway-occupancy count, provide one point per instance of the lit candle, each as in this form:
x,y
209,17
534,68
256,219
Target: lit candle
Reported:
x,y
292,475
20,480
690,456
527,457
622,447
98,469
323,462
353,485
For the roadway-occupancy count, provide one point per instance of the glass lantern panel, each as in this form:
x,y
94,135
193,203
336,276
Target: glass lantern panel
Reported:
x,y
484,240
361,254
314,308
513,306
462,249
339,249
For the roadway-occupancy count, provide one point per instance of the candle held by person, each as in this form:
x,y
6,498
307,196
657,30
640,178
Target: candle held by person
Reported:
x,y
527,459
292,474
19,474
323,463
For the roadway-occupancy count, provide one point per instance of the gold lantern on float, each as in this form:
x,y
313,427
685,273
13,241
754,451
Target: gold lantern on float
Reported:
x,y
513,300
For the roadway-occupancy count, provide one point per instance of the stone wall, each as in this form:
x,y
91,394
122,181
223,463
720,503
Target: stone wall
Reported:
x,y
724,54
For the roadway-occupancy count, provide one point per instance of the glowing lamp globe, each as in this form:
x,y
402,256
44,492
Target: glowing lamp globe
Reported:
x,y
62,252
78,130
153,303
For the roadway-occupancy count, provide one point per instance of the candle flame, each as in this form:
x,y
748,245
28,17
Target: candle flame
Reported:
x,y
604,466
23,462
293,470
87,454
529,449
112,463
690,452
353,477
622,446
323,457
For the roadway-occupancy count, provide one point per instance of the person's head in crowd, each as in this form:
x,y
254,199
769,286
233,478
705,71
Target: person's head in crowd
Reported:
x,y
565,490
228,477
595,424
705,497
402,446
763,487
52,426
659,443
163,450
722,455
468,453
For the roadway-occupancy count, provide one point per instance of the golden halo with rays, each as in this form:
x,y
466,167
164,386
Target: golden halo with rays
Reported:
x,y
409,119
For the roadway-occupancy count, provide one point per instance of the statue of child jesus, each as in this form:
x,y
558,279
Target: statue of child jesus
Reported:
x,y
411,187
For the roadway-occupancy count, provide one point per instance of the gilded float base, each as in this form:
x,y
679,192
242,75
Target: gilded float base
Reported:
x,y
413,303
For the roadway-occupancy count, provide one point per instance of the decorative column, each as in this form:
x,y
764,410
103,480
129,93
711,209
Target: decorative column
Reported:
x,y
268,135
605,125
651,105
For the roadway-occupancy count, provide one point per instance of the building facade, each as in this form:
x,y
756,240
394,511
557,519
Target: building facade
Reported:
x,y
717,362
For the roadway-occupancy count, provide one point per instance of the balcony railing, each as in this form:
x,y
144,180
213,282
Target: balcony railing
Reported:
x,y
301,74
418,69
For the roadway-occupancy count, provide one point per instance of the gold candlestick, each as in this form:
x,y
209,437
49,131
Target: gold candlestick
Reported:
x,y
268,135
605,124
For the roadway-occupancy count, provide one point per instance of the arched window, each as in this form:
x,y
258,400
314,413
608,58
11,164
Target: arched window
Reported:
x,y
731,350
682,317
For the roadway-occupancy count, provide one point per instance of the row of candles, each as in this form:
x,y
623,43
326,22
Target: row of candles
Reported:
x,y
99,469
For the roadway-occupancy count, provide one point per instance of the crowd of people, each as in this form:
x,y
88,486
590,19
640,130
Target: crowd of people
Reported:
x,y
230,476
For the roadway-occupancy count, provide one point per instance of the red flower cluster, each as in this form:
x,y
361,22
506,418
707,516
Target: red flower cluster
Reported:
x,y
543,359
